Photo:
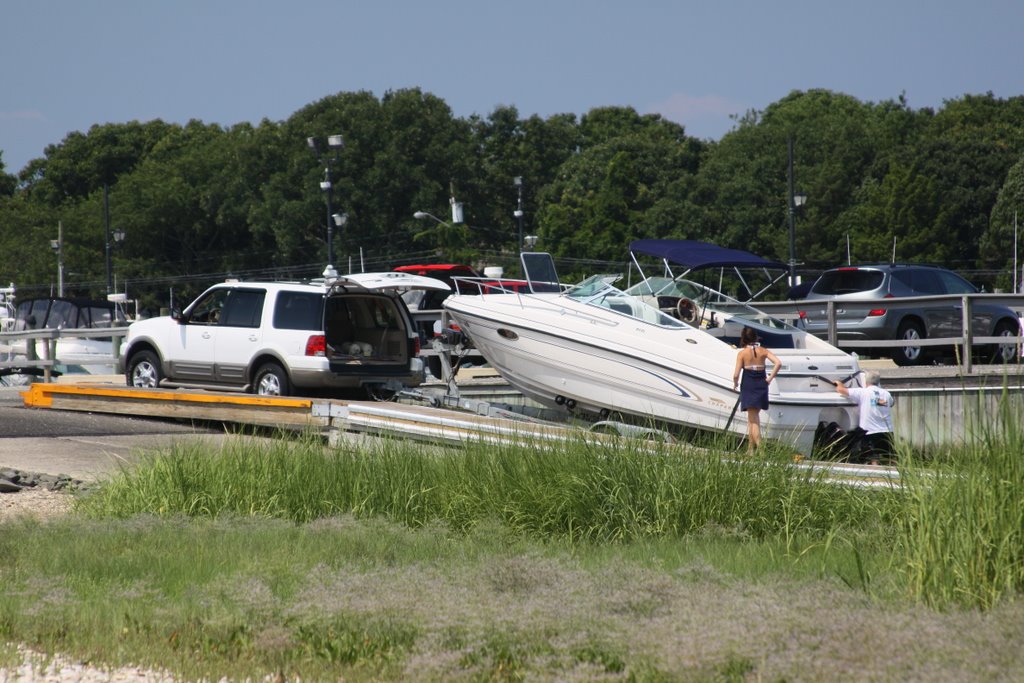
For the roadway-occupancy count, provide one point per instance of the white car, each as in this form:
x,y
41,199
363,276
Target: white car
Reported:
x,y
279,339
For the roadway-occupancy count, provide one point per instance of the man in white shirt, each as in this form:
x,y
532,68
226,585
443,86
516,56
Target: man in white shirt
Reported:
x,y
875,429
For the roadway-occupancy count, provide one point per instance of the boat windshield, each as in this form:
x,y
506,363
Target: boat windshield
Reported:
x,y
668,293
597,290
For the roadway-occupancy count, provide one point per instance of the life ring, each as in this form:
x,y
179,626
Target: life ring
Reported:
x,y
686,310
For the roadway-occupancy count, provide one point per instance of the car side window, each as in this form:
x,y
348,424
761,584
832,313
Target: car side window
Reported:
x,y
905,278
299,311
207,310
954,284
926,282
243,308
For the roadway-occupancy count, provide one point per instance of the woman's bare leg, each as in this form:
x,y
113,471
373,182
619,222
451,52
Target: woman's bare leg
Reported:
x,y
753,428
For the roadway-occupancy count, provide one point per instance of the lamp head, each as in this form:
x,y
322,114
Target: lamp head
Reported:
x,y
420,215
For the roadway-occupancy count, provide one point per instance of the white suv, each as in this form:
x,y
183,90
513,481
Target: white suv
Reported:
x,y
277,339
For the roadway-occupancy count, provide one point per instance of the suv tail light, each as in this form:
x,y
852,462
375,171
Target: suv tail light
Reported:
x,y
416,346
316,345
878,312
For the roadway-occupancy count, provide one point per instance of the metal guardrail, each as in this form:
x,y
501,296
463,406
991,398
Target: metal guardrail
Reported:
x,y
46,358
791,311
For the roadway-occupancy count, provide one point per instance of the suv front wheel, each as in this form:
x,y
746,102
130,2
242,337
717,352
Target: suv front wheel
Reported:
x,y
144,370
909,331
271,380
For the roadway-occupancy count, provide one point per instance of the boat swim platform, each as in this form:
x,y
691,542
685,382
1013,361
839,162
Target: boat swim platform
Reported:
x,y
335,419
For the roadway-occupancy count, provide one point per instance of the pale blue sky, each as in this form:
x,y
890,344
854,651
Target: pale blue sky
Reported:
x,y
69,64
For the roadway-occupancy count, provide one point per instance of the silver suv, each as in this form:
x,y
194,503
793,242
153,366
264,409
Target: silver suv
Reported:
x,y
277,339
873,321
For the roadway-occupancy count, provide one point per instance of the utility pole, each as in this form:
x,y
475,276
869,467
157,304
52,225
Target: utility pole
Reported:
x,y
106,236
518,213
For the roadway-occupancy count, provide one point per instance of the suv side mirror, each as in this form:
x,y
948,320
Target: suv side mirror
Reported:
x,y
177,316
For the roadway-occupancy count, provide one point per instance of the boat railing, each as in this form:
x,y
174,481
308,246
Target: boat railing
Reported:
x,y
473,285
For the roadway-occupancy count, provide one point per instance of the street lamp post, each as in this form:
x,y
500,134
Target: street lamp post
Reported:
x,y
796,200
106,236
58,248
518,213
116,235
456,214
334,145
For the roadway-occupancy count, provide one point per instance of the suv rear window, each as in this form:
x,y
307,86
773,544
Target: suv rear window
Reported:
x,y
848,281
299,311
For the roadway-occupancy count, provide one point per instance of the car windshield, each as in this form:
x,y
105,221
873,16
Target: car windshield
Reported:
x,y
847,281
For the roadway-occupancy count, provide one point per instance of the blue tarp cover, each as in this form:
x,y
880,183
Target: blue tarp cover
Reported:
x,y
693,254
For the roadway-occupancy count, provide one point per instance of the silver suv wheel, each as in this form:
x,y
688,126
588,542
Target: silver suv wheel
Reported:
x,y
271,380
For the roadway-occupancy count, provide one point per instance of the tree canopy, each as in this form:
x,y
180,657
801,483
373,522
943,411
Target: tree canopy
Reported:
x,y
200,202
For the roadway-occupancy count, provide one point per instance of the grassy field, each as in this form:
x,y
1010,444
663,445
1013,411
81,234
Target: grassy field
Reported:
x,y
399,561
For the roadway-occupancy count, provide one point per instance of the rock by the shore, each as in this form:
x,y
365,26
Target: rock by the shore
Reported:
x,y
14,481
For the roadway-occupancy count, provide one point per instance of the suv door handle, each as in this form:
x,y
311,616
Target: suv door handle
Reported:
x,y
253,338
206,334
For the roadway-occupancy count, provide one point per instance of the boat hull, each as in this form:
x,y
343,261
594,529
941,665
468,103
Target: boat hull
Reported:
x,y
569,359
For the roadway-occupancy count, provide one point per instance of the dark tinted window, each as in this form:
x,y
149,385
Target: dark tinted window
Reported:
x,y
299,311
243,308
905,278
847,281
540,271
926,281
33,312
62,314
954,284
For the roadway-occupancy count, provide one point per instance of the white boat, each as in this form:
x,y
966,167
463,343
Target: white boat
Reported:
x,y
597,349
91,354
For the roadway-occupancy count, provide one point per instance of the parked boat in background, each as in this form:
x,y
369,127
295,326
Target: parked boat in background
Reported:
x,y
90,355
596,349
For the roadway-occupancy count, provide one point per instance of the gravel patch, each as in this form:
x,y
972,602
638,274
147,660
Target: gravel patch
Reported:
x,y
30,493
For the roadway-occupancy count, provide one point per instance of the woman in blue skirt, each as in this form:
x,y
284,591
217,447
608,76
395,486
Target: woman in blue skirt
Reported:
x,y
754,387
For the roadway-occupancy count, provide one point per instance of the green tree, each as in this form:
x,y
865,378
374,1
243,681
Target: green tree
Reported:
x,y
621,188
7,181
1006,230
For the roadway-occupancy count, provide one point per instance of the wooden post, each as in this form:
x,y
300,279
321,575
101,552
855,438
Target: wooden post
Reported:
x,y
966,333
832,333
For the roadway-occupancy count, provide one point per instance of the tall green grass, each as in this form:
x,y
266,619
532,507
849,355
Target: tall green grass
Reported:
x,y
962,524
580,490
